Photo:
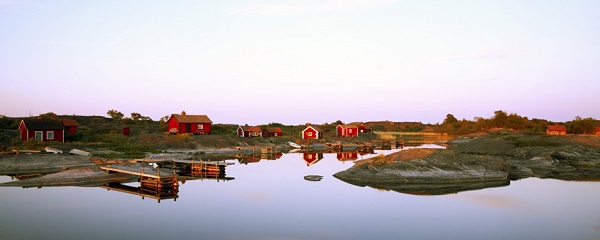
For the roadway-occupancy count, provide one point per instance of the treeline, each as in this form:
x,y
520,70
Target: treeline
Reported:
x,y
501,119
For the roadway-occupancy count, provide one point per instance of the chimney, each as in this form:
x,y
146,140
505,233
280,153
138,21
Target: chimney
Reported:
x,y
182,112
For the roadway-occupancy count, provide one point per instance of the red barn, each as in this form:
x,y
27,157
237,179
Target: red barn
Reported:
x,y
70,126
272,132
347,130
556,130
364,129
311,157
312,132
42,130
346,156
195,124
247,131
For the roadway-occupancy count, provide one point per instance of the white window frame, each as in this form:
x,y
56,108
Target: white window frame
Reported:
x,y
200,126
41,134
50,135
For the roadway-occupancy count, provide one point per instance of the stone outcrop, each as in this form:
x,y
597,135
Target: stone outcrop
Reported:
x,y
474,163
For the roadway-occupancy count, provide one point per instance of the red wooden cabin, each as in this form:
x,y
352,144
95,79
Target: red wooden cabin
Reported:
x,y
597,131
194,124
272,132
42,130
247,131
364,129
556,130
347,130
70,126
312,132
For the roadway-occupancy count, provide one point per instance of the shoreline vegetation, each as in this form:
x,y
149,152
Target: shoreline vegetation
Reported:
x,y
479,154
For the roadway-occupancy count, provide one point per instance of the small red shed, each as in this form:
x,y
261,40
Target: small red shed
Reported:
x,y
247,131
70,126
364,129
556,130
347,130
312,132
195,124
42,130
272,132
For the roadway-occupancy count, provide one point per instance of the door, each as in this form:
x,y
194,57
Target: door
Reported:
x,y
39,136
188,128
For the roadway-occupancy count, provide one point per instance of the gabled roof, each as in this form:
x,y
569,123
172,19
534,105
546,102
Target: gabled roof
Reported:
x,y
191,118
557,127
250,128
69,123
43,124
313,127
348,126
364,126
274,130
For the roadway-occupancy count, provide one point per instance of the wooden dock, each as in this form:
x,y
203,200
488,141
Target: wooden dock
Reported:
x,y
141,191
149,177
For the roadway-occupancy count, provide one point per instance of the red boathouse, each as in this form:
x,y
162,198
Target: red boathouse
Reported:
x,y
312,132
347,130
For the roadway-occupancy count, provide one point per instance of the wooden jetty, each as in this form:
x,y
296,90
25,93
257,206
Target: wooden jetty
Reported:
x,y
143,192
149,177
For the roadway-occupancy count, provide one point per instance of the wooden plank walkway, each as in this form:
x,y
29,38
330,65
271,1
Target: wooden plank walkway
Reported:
x,y
140,192
139,171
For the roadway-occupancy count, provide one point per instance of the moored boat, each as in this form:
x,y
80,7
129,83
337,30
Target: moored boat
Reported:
x,y
79,152
53,150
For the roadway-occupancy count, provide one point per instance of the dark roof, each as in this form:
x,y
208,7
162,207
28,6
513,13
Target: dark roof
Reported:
x,y
274,130
69,123
557,127
43,124
251,129
191,118
314,127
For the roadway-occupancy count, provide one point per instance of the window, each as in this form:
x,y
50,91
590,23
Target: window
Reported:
x,y
200,126
50,135
309,134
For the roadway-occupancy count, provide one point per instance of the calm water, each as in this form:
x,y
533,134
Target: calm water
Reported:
x,y
271,200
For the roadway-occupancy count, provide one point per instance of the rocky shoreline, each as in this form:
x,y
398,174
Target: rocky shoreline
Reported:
x,y
478,162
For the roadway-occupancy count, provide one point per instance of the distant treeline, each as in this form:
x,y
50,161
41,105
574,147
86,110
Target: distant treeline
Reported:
x,y
501,119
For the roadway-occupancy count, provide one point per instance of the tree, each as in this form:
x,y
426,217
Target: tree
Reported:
x,y
136,116
48,115
450,119
114,114
500,119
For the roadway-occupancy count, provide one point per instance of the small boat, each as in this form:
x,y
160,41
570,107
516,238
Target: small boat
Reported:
x,y
53,150
294,145
79,152
314,178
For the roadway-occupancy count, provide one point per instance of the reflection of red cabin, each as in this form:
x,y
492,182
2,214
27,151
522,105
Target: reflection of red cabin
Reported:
x,y
183,123
311,157
312,132
247,131
347,130
556,130
42,130
70,126
346,156
364,129
272,132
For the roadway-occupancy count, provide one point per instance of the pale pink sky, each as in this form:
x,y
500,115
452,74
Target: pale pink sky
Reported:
x,y
301,61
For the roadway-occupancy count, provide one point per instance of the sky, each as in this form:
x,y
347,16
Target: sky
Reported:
x,y
296,62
